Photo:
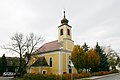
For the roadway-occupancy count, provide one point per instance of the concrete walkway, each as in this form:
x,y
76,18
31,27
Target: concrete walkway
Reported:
x,y
6,78
99,77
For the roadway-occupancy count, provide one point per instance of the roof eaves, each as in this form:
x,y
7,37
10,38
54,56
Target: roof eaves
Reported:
x,y
46,52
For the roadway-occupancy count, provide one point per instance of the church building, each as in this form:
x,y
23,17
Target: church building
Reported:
x,y
55,56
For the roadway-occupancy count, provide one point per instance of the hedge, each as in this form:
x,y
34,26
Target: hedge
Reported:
x,y
64,76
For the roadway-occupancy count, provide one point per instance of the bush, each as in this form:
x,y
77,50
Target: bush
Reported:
x,y
51,77
64,76
100,73
76,76
55,77
39,77
81,75
86,74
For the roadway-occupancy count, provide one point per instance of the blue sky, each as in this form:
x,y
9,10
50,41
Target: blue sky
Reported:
x,y
91,20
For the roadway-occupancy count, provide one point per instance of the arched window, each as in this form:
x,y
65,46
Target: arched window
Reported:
x,y
68,31
50,62
61,32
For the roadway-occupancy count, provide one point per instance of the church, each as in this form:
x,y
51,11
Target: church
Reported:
x,y
55,57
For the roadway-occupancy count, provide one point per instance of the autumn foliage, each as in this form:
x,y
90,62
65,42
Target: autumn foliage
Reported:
x,y
84,59
92,58
78,57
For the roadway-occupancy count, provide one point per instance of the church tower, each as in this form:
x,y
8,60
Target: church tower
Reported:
x,y
65,34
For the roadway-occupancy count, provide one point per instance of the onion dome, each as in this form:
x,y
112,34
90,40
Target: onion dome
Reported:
x,y
64,20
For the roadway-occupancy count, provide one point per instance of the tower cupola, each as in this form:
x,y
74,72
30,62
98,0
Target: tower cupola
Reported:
x,y
64,20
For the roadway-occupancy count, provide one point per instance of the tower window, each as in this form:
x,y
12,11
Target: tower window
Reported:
x,y
50,62
61,32
68,31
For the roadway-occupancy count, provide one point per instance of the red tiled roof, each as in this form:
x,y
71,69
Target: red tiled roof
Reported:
x,y
50,46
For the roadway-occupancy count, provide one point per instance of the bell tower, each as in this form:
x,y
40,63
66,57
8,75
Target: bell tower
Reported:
x,y
64,30
65,34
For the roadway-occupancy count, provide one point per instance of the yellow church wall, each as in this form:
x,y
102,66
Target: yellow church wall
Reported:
x,y
64,63
55,66
39,70
68,36
55,62
68,44
35,70
64,44
33,59
61,38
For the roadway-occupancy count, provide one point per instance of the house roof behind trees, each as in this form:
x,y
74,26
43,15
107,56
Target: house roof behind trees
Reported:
x,y
12,61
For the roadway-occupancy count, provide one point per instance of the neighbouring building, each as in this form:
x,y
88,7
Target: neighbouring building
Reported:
x,y
12,64
55,56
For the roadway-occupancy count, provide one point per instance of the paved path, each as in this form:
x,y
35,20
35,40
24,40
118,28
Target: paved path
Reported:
x,y
6,78
115,76
112,77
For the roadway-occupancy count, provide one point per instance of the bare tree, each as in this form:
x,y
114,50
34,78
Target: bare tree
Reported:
x,y
24,46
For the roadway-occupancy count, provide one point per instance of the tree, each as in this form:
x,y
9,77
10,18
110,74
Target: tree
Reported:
x,y
104,65
3,64
24,46
93,59
113,58
85,47
77,57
